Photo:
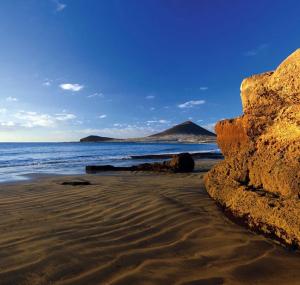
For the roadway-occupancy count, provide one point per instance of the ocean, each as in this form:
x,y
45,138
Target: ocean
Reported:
x,y
18,160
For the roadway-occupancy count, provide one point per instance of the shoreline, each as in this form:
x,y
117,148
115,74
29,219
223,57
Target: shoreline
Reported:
x,y
131,160
34,176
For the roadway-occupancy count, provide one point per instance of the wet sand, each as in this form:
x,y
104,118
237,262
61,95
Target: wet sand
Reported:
x,y
130,228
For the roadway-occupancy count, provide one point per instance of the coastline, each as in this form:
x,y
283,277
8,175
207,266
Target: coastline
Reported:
x,y
72,159
201,164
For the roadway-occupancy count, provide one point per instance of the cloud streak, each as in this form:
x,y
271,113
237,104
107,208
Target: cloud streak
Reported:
x,y
162,121
65,117
203,88
256,51
150,97
59,6
96,94
191,104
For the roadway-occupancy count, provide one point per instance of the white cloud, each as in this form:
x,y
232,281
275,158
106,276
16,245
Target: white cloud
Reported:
x,y
3,111
163,121
47,83
33,119
101,95
102,116
191,104
60,6
11,99
71,86
7,124
28,119
203,88
256,51
149,97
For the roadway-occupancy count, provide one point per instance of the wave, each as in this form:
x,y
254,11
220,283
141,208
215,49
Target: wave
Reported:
x,y
20,159
71,160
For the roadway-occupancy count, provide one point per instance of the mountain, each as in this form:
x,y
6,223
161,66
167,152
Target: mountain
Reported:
x,y
187,132
95,139
186,128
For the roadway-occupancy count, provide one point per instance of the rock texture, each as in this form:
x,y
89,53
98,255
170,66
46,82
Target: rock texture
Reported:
x,y
259,180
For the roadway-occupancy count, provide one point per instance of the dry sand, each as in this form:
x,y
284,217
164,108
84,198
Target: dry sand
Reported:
x,y
130,228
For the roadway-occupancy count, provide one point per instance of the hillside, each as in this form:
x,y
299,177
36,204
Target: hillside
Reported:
x,y
187,132
185,128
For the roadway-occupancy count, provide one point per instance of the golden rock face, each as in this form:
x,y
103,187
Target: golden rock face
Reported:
x,y
268,133
262,147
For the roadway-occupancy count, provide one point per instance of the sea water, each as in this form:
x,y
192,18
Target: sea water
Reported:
x,y
17,160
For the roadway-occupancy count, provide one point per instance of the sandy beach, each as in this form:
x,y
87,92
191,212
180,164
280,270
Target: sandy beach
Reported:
x,y
130,228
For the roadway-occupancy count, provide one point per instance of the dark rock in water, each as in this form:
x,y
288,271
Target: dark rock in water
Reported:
x,y
182,162
200,155
76,183
100,168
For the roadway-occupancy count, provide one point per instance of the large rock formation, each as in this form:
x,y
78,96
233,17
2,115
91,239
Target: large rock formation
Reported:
x,y
259,181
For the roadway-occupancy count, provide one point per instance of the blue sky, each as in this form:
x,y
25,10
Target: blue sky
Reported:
x,y
70,68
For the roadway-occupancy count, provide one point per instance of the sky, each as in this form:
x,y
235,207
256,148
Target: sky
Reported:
x,y
72,68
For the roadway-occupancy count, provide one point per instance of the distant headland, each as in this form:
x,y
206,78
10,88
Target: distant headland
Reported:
x,y
186,132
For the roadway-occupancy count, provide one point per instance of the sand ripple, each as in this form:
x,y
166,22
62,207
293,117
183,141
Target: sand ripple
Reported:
x,y
130,229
